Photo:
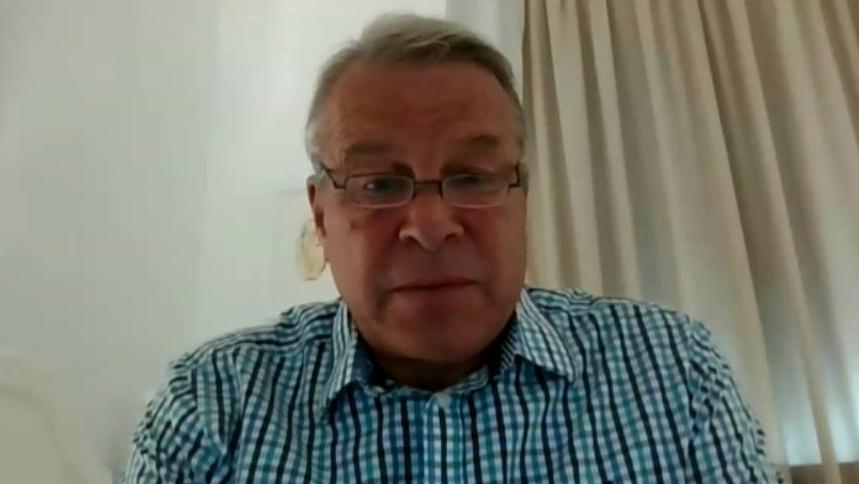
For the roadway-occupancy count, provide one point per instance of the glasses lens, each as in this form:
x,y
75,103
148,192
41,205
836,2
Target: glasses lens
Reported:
x,y
474,189
379,190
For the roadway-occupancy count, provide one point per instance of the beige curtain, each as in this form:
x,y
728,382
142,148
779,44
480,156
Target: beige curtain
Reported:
x,y
705,154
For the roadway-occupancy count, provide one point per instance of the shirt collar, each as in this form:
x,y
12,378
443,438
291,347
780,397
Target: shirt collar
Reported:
x,y
531,337
538,341
350,364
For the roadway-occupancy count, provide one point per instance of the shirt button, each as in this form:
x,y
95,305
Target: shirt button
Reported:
x,y
442,400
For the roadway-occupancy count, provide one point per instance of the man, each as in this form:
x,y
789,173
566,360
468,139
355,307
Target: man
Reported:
x,y
438,365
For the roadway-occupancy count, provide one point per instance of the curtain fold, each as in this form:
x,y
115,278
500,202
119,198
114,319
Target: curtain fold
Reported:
x,y
705,154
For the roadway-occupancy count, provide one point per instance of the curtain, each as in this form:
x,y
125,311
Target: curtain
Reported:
x,y
705,154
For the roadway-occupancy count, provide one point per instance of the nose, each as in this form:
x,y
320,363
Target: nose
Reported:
x,y
430,222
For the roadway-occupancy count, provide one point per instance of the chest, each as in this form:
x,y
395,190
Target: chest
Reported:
x,y
530,429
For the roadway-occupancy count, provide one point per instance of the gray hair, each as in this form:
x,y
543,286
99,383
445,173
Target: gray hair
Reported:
x,y
395,38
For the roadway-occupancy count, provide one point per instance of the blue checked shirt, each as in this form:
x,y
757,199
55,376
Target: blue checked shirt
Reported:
x,y
583,389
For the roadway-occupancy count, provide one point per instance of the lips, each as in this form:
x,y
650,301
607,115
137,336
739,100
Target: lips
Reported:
x,y
435,283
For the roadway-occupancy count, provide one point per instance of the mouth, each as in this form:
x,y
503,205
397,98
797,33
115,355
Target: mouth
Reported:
x,y
435,285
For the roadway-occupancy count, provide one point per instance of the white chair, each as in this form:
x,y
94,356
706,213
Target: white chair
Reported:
x,y
40,437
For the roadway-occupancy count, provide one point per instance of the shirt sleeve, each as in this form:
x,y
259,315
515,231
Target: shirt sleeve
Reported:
x,y
727,443
171,444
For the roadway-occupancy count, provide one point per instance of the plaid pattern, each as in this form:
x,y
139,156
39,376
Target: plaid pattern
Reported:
x,y
584,389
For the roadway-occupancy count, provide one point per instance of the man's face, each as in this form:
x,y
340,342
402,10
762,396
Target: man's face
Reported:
x,y
426,281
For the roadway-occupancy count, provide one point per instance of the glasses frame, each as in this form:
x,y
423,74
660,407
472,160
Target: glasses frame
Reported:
x,y
437,184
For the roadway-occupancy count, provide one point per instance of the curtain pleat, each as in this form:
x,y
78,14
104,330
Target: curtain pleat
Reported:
x,y
705,154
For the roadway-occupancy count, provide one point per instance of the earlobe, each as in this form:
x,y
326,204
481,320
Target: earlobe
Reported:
x,y
310,255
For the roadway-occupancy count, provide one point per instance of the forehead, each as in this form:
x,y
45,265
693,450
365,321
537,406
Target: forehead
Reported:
x,y
416,105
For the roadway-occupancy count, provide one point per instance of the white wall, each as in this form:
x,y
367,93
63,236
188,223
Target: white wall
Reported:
x,y
151,166
103,109
268,54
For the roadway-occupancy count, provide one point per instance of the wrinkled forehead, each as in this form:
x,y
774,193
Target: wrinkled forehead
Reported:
x,y
403,107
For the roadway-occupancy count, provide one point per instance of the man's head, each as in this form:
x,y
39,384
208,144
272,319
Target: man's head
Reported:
x,y
427,279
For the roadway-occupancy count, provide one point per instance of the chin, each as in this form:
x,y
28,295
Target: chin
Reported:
x,y
445,337
449,346
435,314
440,302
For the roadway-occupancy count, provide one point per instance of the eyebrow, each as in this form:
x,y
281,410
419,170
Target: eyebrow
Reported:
x,y
485,141
353,154
372,148
363,152
366,149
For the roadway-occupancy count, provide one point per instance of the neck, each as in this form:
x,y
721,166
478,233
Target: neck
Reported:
x,y
426,375
434,376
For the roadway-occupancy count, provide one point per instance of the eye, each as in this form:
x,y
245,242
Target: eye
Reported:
x,y
473,182
384,185
379,190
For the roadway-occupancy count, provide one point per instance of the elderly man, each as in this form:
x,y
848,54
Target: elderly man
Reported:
x,y
438,364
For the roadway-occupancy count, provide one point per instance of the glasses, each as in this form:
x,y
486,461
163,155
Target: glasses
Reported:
x,y
465,190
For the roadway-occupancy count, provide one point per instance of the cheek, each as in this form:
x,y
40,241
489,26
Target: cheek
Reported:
x,y
500,241
497,234
356,243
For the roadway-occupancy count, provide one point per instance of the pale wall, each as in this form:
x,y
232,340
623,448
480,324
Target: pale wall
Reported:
x,y
151,166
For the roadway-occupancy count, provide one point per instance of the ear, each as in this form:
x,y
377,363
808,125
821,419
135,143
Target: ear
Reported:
x,y
316,208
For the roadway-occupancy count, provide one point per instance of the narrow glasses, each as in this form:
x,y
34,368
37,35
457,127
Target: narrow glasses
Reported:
x,y
466,190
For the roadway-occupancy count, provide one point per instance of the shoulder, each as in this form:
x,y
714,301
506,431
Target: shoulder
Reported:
x,y
619,326
608,311
296,329
213,381
626,340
